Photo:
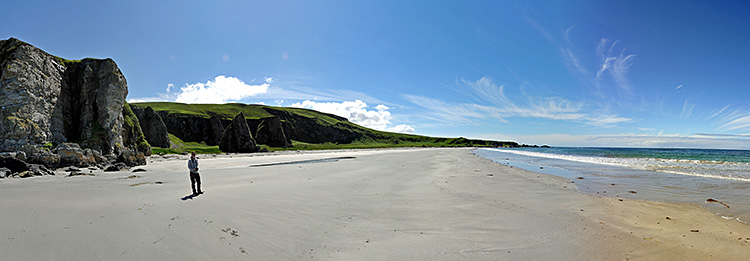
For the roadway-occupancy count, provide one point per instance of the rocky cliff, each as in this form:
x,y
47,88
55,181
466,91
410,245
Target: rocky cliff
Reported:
x,y
47,100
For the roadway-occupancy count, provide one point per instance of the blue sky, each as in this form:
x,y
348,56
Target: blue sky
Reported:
x,y
564,73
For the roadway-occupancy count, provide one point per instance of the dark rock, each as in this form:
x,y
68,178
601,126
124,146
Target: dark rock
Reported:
x,y
99,158
116,167
139,170
13,164
269,131
45,158
20,155
237,137
131,158
40,170
193,128
153,127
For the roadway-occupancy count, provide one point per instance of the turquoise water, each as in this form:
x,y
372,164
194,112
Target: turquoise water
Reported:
x,y
671,175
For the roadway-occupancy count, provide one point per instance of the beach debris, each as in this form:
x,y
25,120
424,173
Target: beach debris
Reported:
x,y
613,184
541,167
488,175
713,200
632,192
132,177
580,177
234,232
619,199
669,218
159,182
694,230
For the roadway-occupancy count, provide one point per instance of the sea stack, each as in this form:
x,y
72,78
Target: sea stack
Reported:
x,y
237,137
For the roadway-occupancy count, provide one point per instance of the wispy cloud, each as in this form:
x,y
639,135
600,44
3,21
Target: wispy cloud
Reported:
x,y
732,119
678,87
610,79
687,109
498,106
615,64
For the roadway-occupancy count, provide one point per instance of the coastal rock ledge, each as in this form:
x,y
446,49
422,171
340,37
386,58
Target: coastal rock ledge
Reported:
x,y
46,100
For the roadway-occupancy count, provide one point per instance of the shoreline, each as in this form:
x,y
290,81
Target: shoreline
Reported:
x,y
443,204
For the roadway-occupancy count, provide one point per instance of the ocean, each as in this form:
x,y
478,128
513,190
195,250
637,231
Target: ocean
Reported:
x,y
669,175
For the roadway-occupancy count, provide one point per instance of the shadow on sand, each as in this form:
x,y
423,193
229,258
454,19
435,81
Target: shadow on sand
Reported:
x,y
191,196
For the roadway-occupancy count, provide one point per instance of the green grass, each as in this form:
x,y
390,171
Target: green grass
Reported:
x,y
369,138
139,140
222,111
183,146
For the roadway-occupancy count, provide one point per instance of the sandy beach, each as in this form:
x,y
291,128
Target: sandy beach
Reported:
x,y
396,204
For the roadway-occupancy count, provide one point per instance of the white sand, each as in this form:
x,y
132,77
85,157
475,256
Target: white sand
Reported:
x,y
425,204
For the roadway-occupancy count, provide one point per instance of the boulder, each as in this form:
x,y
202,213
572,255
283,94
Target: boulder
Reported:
x,y
5,173
40,170
237,137
46,158
116,167
71,154
131,158
20,155
13,165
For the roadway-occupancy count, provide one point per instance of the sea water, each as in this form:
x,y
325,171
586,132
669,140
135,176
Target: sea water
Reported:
x,y
670,175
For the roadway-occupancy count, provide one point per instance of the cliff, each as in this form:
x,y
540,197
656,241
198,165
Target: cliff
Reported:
x,y
47,100
280,126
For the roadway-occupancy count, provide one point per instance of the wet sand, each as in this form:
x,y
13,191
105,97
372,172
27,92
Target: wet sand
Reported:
x,y
436,204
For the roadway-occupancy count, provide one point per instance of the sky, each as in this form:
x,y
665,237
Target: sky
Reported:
x,y
667,74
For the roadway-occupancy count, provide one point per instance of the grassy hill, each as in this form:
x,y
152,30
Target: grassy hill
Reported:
x,y
365,137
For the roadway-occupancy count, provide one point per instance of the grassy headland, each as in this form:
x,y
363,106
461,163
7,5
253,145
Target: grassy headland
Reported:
x,y
366,137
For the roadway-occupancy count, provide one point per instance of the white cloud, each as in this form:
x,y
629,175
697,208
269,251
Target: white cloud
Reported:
x,y
357,112
221,90
401,128
678,87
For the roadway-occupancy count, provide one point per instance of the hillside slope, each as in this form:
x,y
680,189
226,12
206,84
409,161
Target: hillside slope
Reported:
x,y
285,127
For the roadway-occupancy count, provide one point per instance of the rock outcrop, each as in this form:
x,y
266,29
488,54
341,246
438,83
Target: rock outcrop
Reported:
x,y
237,137
192,128
45,99
270,131
154,129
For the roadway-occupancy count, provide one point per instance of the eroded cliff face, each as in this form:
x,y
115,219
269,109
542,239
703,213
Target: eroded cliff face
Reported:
x,y
45,99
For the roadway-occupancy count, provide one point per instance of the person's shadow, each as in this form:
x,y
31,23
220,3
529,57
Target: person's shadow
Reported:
x,y
191,196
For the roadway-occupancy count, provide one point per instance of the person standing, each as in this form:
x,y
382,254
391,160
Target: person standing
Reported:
x,y
195,177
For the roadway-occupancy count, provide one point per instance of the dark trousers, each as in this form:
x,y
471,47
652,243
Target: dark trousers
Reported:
x,y
195,178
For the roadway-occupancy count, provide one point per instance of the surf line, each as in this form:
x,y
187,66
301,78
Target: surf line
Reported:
x,y
334,159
